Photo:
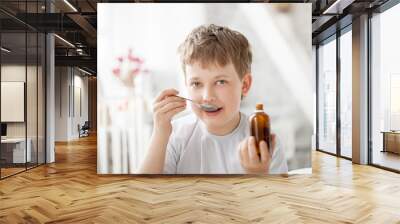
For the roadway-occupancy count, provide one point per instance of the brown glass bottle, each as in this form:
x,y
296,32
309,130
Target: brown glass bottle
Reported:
x,y
260,126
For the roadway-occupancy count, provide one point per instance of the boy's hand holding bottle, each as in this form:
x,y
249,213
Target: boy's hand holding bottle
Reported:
x,y
256,151
251,161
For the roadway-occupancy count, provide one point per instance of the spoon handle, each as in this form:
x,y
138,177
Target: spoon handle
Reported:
x,y
186,99
195,103
204,107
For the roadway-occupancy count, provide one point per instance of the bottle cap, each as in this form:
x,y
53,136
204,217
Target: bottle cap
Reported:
x,y
259,106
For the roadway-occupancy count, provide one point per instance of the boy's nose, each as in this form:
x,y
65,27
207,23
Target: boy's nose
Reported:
x,y
208,96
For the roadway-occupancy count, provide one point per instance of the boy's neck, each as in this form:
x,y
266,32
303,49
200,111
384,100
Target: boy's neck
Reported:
x,y
232,125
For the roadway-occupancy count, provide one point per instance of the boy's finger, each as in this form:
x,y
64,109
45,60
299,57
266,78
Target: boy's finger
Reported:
x,y
244,156
168,100
172,106
273,144
265,157
251,147
175,111
165,93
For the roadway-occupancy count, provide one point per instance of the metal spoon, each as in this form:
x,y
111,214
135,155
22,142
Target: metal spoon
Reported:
x,y
205,107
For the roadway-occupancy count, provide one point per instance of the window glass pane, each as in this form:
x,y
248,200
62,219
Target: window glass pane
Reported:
x,y
346,94
327,97
386,89
314,66
41,98
31,97
14,153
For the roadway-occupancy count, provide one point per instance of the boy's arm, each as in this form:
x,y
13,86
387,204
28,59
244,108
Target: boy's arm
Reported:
x,y
165,107
154,161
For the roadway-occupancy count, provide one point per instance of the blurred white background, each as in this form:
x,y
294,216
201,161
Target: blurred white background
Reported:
x,y
280,36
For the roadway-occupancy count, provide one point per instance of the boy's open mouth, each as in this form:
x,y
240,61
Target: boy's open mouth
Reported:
x,y
214,111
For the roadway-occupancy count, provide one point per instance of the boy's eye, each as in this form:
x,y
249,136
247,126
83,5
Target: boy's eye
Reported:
x,y
221,82
195,84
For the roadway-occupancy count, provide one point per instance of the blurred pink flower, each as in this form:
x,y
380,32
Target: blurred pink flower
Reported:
x,y
127,70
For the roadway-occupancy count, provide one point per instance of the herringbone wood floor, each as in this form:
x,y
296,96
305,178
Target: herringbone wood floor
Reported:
x,y
70,191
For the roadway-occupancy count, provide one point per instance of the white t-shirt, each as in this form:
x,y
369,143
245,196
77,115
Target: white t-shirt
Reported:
x,y
193,150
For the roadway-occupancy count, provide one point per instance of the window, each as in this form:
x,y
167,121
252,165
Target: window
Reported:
x,y
327,97
385,89
23,77
346,93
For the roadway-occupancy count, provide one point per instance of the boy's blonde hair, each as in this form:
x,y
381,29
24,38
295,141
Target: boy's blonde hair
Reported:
x,y
216,45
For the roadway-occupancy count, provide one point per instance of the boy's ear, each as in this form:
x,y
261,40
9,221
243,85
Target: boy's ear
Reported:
x,y
246,84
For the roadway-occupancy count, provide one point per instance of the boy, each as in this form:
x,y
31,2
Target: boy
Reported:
x,y
216,62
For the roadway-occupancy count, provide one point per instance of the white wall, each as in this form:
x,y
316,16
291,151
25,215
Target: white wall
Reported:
x,y
79,117
11,73
16,73
61,103
70,83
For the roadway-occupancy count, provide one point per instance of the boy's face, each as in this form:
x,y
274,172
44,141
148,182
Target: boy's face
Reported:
x,y
218,86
